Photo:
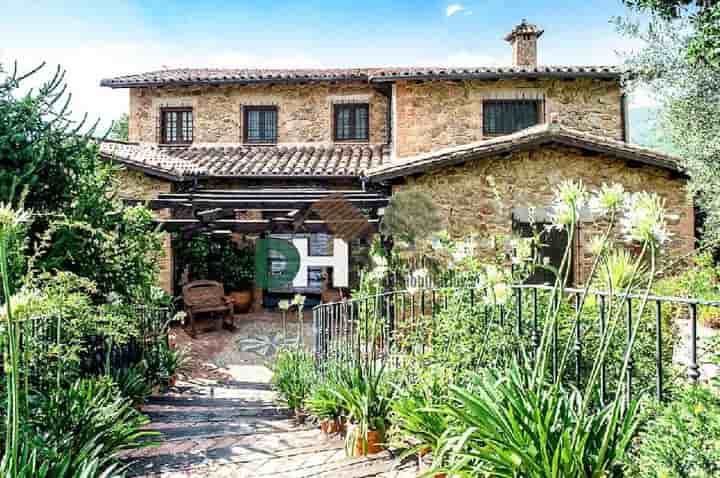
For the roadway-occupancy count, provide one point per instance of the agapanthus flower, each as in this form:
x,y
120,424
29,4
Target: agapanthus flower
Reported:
x,y
570,198
420,273
644,219
598,245
610,198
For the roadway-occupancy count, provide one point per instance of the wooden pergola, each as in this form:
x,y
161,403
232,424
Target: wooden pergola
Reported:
x,y
282,210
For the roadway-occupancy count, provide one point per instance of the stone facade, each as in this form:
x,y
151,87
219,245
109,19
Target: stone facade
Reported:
x,y
479,197
435,114
304,111
135,185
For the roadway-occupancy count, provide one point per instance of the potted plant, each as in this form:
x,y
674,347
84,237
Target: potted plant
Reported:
x,y
366,396
293,377
238,271
418,415
325,405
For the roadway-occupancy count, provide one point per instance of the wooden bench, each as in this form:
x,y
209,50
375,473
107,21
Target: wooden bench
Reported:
x,y
207,297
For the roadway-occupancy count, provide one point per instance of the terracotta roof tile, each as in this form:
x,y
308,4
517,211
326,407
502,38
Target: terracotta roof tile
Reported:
x,y
231,161
200,76
527,138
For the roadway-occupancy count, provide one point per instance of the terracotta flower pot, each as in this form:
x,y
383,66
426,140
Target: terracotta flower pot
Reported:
x,y
242,300
331,425
374,439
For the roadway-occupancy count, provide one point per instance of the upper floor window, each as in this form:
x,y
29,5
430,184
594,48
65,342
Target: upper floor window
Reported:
x,y
351,122
260,124
509,116
176,125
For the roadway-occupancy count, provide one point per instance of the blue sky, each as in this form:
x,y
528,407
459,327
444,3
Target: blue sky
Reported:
x,y
99,39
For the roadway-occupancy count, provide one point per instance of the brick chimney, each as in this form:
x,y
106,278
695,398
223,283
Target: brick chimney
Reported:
x,y
523,39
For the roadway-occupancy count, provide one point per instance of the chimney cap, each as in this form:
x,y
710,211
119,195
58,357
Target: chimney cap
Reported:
x,y
524,28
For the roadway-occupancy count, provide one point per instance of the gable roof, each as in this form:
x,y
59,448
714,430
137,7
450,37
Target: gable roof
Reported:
x,y
241,76
217,160
521,141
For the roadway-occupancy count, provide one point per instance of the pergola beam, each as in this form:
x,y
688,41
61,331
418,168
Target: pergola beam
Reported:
x,y
259,203
256,226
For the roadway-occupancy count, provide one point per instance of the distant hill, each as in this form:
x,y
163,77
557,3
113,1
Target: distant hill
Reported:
x,y
644,131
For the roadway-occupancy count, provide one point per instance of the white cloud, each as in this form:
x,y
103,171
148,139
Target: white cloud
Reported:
x,y
454,8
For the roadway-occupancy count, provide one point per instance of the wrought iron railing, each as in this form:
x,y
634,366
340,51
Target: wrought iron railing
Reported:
x,y
44,340
375,328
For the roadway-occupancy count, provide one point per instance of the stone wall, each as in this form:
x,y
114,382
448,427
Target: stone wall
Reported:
x,y
137,185
478,197
435,114
304,111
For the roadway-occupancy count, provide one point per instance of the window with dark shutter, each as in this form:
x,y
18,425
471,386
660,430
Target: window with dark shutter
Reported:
x,y
260,124
508,116
351,122
176,125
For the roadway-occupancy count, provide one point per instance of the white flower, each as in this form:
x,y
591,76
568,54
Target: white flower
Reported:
x,y
420,273
284,305
608,199
570,198
597,245
459,255
492,274
644,219
299,300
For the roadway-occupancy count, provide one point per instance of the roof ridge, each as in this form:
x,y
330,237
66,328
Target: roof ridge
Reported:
x,y
186,76
550,131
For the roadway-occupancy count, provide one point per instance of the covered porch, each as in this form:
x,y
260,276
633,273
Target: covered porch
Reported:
x,y
309,241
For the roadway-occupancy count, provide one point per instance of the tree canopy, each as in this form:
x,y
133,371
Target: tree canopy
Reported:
x,y
688,93
703,43
51,167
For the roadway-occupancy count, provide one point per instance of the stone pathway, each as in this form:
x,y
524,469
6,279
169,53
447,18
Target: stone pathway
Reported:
x,y
228,425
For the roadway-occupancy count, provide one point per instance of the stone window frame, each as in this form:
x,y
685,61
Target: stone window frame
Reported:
x,y
354,106
165,103
245,109
539,115
180,127
513,94
252,102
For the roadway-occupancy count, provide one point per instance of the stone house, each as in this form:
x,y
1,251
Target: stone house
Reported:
x,y
484,142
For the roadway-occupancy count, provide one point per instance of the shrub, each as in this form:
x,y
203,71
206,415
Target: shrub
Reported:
x,y
681,440
701,281
294,376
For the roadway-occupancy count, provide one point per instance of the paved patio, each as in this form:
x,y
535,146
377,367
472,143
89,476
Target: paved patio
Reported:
x,y
221,420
